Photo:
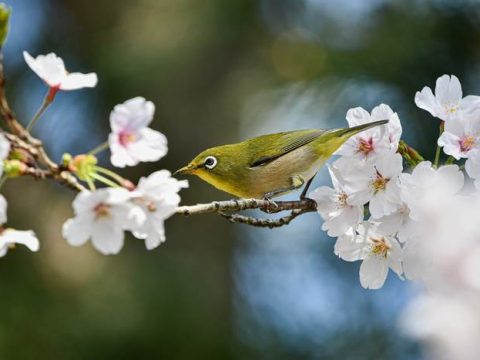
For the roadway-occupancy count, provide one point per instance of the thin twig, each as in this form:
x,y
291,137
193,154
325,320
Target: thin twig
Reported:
x,y
260,222
22,139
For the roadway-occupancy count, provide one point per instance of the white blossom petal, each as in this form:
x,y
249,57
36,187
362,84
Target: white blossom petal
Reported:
x,y
51,69
77,81
448,89
427,101
373,272
349,247
27,238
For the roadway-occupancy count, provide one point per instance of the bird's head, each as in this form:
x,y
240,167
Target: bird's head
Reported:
x,y
215,165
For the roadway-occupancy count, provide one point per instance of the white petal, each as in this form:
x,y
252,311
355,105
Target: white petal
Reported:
x,y
76,81
373,272
394,131
451,178
470,105
133,115
379,205
4,147
160,182
3,210
413,261
3,249
390,224
358,116
152,146
382,112
349,248
389,164
472,165
76,231
427,101
107,237
347,218
49,68
394,259
451,145
360,197
27,238
116,195
448,90
325,198
120,156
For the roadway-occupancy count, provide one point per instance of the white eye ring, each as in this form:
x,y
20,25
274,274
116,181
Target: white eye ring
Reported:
x,y
210,162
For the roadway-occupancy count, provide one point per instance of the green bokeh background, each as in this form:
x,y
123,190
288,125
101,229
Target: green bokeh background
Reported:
x,y
218,71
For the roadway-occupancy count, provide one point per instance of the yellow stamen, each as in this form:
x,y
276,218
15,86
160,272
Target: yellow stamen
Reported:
x,y
467,143
380,247
102,210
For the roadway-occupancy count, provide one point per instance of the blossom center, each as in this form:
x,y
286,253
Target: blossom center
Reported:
x,y
380,247
126,138
102,210
365,146
451,108
379,183
342,199
467,143
151,206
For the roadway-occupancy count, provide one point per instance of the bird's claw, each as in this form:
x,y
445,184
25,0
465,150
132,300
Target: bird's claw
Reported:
x,y
271,204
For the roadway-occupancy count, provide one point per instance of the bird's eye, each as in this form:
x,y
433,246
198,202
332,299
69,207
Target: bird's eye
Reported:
x,y
210,162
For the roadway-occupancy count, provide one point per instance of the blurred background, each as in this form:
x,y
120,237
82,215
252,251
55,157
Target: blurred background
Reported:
x,y
218,71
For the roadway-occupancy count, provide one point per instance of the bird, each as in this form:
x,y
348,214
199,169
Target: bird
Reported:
x,y
270,165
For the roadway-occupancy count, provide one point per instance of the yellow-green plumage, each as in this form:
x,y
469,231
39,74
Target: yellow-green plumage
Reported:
x,y
270,165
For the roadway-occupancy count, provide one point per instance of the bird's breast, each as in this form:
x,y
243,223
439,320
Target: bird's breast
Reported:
x,y
277,175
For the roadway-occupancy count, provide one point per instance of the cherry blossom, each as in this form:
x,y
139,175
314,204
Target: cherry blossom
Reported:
x,y
448,323
158,196
9,237
426,190
447,103
461,136
378,251
51,69
398,223
333,206
131,140
378,184
373,141
102,216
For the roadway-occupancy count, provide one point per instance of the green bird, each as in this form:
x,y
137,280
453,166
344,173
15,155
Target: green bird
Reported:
x,y
270,165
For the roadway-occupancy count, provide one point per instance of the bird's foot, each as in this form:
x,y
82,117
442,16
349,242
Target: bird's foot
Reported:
x,y
271,204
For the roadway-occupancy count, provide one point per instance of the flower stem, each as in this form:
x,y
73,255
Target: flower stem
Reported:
x,y
450,160
437,152
46,102
110,173
2,180
104,180
99,148
91,185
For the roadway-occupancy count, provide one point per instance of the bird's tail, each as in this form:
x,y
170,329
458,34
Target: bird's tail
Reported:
x,y
346,133
333,139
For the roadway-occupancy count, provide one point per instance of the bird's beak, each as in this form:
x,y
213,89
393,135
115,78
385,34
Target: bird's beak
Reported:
x,y
186,170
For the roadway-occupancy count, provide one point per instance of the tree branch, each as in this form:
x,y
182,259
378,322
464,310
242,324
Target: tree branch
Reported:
x,y
223,208
42,167
20,138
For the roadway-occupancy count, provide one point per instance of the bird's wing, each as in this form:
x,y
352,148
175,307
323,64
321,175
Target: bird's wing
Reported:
x,y
277,145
